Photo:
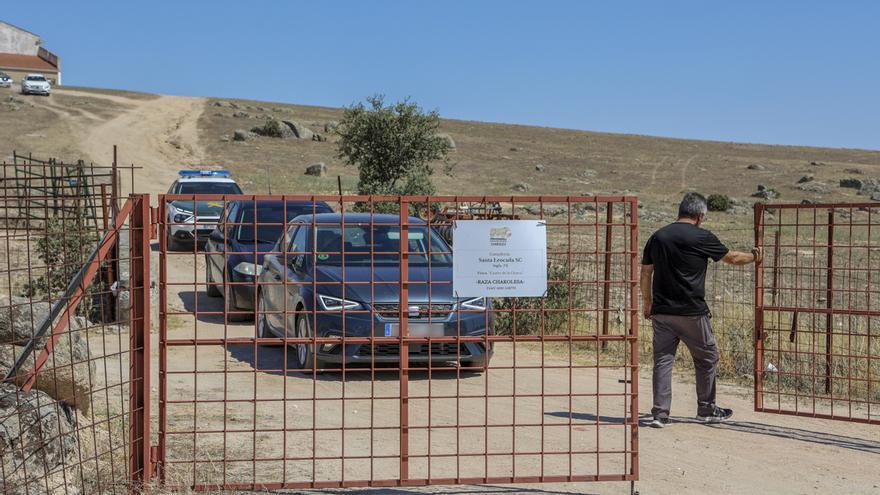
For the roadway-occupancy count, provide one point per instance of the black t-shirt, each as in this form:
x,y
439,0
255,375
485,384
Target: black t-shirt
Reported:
x,y
680,253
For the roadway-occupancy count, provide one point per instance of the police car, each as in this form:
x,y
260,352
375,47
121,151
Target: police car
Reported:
x,y
192,221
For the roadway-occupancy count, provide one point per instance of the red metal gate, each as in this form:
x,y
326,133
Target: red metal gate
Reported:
x,y
338,356
817,318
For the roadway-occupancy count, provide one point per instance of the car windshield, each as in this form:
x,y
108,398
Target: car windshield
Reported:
x,y
36,78
209,188
271,220
379,246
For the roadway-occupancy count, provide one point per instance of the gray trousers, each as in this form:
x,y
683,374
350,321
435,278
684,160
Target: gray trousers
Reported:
x,y
696,333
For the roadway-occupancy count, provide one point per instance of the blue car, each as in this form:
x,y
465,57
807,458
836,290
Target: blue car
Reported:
x,y
235,249
301,292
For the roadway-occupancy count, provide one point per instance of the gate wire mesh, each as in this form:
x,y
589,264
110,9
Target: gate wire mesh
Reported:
x,y
818,311
64,401
334,379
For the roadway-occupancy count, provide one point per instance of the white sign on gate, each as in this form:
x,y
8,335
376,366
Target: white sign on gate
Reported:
x,y
499,258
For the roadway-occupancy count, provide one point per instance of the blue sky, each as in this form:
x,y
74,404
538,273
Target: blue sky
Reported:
x,y
788,72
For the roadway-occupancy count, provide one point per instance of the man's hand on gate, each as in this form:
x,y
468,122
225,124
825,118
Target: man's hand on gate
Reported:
x,y
646,310
758,253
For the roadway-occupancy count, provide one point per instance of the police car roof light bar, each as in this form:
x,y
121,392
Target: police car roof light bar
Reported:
x,y
204,173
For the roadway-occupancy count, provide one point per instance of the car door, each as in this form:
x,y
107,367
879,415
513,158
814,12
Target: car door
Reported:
x,y
274,266
295,276
218,247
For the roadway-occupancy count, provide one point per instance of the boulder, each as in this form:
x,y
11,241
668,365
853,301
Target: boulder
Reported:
x,y
870,187
856,171
19,317
317,169
37,444
243,135
815,187
806,178
331,126
548,210
298,130
241,115
521,187
539,167
449,141
851,183
756,166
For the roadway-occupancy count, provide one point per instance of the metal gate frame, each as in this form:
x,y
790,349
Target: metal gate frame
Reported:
x,y
838,298
629,339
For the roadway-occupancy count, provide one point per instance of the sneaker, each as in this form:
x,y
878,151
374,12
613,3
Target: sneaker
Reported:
x,y
716,415
659,422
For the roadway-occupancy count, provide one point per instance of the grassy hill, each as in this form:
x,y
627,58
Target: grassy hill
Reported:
x,y
492,158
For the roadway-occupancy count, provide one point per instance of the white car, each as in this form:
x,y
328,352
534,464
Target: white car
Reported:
x,y
35,84
5,80
192,221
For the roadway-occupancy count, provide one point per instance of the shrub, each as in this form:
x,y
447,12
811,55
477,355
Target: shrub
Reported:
x,y
272,128
392,146
718,202
529,314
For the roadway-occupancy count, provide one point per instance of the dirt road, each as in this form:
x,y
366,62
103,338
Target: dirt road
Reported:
x,y
756,453
159,135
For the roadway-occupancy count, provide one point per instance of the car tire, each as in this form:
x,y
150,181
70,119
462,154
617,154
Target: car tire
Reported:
x,y
304,355
262,323
212,290
233,314
171,244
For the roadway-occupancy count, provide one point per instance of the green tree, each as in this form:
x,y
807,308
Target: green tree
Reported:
x,y
392,146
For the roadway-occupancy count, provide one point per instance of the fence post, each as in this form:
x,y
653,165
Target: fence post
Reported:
x,y
606,281
759,309
403,332
829,302
140,466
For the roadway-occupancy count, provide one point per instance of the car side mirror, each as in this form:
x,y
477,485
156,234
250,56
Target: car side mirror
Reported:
x,y
218,235
298,262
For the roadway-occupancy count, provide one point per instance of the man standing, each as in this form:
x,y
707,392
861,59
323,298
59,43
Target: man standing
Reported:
x,y
673,283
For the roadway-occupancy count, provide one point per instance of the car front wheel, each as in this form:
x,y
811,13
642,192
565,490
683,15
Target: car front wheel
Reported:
x,y
305,355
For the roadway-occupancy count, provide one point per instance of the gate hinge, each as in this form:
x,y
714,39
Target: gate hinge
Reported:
x,y
154,222
154,461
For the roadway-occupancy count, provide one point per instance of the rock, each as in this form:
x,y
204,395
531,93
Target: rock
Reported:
x,y
539,167
65,375
851,183
870,187
756,166
548,211
319,138
765,193
809,202
243,135
521,187
856,171
299,131
762,187
875,196
19,317
817,164
449,141
241,115
317,170
806,178
815,187
38,444
224,138
331,126
514,148
223,104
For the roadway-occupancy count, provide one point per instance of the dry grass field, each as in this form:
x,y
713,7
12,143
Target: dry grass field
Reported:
x,y
163,133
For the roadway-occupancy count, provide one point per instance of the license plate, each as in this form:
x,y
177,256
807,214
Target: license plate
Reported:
x,y
416,329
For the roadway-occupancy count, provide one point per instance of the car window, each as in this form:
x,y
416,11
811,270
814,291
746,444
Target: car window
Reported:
x,y
209,188
299,240
229,218
36,78
379,245
173,188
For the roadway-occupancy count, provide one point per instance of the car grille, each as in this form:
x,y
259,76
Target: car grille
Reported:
x,y
434,349
435,311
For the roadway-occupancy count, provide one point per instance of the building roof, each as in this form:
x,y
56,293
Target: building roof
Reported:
x,y
13,26
25,62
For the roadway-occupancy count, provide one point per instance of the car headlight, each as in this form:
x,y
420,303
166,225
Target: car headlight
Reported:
x,y
335,304
477,303
248,269
181,217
